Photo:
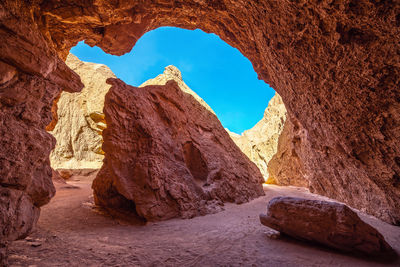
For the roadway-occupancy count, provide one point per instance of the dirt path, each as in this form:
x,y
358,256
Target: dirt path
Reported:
x,y
72,233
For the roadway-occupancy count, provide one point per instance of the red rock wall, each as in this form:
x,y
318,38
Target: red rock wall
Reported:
x,y
166,155
32,76
335,64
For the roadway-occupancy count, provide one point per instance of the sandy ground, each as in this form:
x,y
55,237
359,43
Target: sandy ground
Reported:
x,y
72,232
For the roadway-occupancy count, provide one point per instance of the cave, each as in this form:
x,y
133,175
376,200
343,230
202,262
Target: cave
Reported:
x,y
334,63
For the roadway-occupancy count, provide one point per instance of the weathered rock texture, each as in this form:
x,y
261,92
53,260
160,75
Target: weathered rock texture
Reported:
x,y
32,76
286,167
334,63
80,119
166,156
173,73
260,142
328,223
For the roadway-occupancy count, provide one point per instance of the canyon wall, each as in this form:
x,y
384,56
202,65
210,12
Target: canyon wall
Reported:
x,y
260,142
32,76
334,63
286,167
80,119
166,156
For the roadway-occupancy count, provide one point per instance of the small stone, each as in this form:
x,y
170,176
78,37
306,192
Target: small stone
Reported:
x,y
36,244
273,234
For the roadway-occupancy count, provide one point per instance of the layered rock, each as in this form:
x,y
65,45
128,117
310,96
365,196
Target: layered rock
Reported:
x,y
80,119
329,223
166,156
260,142
286,167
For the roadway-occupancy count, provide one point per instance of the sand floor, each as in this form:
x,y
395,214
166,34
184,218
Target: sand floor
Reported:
x,y
71,232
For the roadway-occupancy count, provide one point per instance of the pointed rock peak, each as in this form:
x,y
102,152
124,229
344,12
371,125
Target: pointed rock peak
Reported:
x,y
173,71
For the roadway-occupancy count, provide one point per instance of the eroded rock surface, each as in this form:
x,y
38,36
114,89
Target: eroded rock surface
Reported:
x,y
80,119
335,64
32,77
173,73
329,223
260,142
286,167
166,156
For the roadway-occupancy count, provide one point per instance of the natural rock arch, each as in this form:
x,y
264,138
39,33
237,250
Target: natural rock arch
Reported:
x,y
335,64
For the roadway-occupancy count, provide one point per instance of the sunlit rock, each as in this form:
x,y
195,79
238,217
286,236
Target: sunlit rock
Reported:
x,y
166,155
260,142
286,166
80,119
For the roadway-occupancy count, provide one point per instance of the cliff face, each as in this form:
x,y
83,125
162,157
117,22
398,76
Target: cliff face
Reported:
x,y
166,155
80,119
260,142
286,166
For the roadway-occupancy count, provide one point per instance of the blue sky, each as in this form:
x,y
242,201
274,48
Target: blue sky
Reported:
x,y
217,72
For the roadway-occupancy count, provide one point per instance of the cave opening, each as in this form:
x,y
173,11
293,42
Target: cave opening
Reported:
x,y
317,55
219,75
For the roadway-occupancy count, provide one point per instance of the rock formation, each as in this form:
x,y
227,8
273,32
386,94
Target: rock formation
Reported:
x,y
166,156
329,223
80,119
260,142
173,73
334,63
286,167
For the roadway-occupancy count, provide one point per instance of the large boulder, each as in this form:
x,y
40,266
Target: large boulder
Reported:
x,y
260,142
166,156
329,223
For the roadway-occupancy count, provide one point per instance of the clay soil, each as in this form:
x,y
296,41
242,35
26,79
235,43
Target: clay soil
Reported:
x,y
72,232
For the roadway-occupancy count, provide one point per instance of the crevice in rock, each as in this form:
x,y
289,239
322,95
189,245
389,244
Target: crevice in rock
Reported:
x,y
195,162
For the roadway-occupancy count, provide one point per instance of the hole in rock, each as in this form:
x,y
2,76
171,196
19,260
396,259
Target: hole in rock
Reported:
x,y
216,74
196,163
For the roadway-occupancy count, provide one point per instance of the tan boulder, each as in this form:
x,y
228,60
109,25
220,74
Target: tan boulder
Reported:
x,y
260,142
80,119
329,223
166,156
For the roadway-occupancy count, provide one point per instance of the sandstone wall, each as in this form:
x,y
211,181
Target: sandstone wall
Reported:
x,y
166,155
286,166
80,119
334,63
260,142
